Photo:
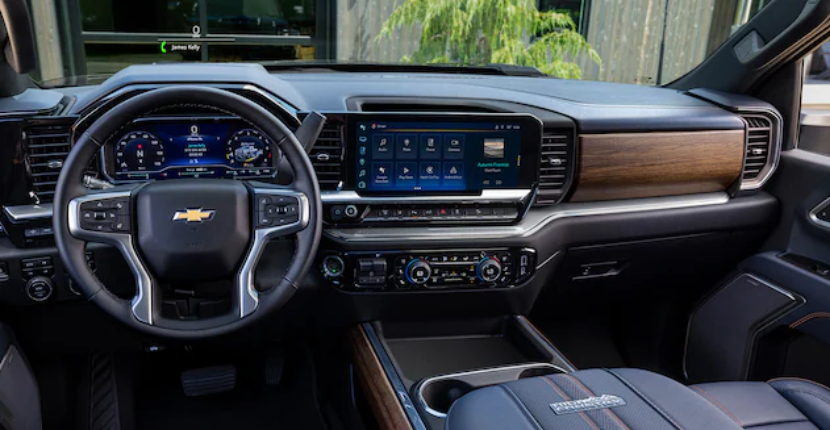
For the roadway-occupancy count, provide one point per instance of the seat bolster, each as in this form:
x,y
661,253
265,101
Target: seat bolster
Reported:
x,y
811,398
750,404
681,405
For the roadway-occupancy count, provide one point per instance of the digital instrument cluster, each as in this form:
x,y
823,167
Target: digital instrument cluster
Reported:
x,y
167,148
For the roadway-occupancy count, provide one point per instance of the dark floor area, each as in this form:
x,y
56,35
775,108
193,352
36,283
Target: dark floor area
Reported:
x,y
253,404
144,390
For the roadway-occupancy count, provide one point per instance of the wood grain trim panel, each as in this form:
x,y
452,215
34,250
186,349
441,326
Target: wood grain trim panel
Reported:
x,y
382,399
634,165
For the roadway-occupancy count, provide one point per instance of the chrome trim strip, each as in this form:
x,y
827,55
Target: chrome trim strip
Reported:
x,y
813,215
248,295
533,222
517,368
394,379
22,213
548,260
505,195
142,303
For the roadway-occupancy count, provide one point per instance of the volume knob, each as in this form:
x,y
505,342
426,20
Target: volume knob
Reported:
x,y
488,269
418,271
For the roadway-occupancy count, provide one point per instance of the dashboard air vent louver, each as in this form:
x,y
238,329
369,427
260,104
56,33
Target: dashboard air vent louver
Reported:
x,y
46,147
327,157
555,166
758,144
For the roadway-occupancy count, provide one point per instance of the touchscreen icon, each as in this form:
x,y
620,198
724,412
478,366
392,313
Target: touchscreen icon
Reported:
x,y
362,173
382,147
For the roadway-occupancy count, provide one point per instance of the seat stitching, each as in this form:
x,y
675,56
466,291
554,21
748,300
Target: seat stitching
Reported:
x,y
522,407
566,397
718,404
607,411
792,378
809,393
645,399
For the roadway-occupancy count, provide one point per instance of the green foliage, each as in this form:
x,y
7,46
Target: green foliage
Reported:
x,y
480,32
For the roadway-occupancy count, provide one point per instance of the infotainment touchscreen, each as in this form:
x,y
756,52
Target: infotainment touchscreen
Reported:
x,y
434,154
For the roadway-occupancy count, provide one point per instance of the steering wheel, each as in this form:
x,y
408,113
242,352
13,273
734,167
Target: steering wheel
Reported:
x,y
188,230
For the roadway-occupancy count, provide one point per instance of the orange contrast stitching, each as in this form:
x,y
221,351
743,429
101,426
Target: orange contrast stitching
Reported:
x,y
567,398
591,393
712,399
809,317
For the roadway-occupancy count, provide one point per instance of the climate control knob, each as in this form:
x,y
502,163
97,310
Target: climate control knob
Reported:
x,y
418,271
488,269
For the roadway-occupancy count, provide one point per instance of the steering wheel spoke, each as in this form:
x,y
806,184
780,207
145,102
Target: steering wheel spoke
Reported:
x,y
108,217
278,212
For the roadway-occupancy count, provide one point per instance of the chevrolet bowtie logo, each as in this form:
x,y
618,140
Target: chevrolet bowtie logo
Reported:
x,y
193,215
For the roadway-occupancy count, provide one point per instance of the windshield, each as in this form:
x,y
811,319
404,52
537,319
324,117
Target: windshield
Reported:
x,y
650,42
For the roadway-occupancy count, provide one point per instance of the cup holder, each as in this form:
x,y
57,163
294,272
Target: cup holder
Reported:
x,y
437,394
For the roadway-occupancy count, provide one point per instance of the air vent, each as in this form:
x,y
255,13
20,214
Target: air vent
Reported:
x,y
758,144
46,149
327,157
555,166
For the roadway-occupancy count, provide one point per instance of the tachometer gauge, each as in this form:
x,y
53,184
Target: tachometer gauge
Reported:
x,y
139,151
248,148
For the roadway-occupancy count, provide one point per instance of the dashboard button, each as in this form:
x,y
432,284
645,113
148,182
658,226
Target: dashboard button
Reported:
x,y
350,211
337,212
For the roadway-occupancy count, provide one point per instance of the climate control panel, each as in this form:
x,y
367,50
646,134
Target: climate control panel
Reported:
x,y
429,270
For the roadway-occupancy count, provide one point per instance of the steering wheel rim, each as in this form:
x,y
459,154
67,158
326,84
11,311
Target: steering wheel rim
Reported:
x,y
143,312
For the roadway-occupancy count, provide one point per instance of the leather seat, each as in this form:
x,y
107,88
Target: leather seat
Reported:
x,y
651,402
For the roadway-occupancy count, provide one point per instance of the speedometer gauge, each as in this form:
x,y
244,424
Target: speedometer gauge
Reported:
x,y
248,149
139,151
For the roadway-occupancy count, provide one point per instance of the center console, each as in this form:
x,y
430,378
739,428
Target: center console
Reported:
x,y
414,372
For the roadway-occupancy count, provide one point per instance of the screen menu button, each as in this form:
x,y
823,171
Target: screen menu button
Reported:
x,y
406,146
454,146
382,145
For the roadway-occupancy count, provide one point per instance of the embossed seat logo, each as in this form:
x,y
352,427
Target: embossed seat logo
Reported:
x,y
604,401
194,215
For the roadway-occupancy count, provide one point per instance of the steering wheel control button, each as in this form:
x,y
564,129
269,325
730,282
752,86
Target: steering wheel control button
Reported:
x,y
40,288
106,215
277,210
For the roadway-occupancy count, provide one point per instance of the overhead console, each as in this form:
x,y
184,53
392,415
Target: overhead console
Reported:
x,y
436,168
